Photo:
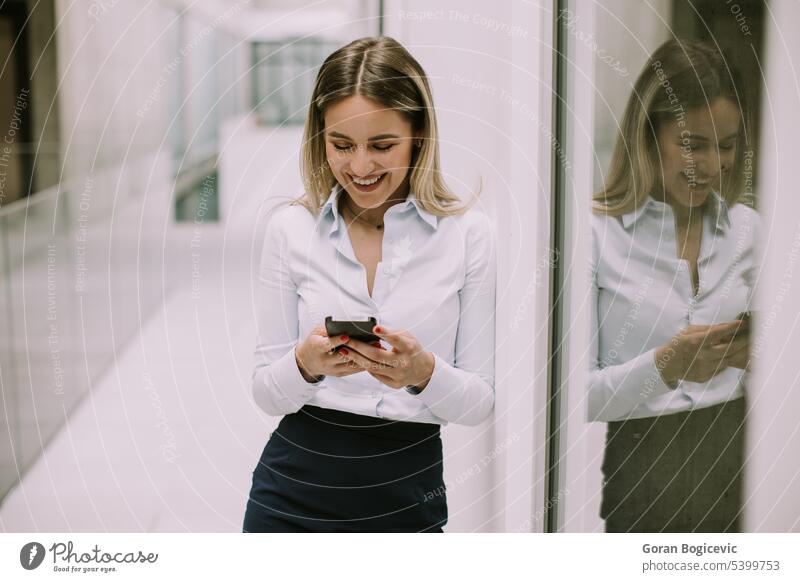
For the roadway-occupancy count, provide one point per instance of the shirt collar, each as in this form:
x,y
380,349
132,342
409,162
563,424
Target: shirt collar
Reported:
x,y
716,205
331,207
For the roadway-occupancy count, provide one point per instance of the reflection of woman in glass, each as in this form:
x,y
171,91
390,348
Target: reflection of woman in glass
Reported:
x,y
377,234
672,267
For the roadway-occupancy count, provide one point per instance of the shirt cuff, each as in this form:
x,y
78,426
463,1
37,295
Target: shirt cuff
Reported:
x,y
289,382
444,378
645,373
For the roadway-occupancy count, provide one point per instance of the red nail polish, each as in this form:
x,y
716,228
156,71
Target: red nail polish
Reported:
x,y
344,351
378,329
345,338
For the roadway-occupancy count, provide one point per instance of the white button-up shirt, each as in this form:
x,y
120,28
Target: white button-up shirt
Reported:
x,y
642,296
436,279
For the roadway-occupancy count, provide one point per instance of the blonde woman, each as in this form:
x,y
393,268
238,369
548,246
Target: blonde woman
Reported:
x,y
377,234
673,273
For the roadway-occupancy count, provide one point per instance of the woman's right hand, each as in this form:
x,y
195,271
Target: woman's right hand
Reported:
x,y
690,356
316,359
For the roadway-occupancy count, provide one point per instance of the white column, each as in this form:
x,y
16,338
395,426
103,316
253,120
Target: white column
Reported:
x,y
490,65
773,425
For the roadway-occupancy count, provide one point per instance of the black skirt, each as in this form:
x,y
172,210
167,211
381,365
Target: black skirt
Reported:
x,y
326,470
675,473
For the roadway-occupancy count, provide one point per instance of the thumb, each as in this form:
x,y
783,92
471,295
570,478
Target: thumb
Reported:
x,y
720,332
397,339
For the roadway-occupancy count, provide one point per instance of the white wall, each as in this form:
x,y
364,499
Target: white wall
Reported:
x,y
773,430
490,68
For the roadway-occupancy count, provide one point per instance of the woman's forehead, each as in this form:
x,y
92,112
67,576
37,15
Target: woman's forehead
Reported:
x,y
718,121
360,118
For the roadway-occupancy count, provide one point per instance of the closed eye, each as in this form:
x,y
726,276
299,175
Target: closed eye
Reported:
x,y
380,148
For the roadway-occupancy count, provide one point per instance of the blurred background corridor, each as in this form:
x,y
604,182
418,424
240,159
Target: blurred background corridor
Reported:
x,y
149,136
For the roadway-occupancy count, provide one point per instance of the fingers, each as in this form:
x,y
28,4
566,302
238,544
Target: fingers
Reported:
x,y
346,368
717,333
336,341
737,352
363,361
692,328
735,345
400,340
340,366
373,353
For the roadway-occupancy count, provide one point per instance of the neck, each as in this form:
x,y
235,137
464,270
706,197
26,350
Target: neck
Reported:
x,y
684,216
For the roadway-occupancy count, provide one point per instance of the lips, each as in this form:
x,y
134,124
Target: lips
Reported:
x,y
696,181
364,178
368,187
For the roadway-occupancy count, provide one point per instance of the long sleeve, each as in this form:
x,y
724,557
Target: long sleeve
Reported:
x,y
278,386
463,392
614,391
751,273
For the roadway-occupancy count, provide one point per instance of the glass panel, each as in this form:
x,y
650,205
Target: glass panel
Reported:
x,y
284,73
673,237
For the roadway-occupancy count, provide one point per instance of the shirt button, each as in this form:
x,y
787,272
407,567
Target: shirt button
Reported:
x,y
386,270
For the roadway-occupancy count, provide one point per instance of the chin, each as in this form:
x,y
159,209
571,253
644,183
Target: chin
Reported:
x,y
367,201
695,201
692,198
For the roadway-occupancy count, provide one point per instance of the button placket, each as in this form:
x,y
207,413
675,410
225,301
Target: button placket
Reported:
x,y
691,309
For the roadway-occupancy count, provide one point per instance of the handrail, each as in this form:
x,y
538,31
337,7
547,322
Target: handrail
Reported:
x,y
26,201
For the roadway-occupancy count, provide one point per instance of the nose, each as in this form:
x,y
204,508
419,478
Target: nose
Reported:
x,y
361,162
715,162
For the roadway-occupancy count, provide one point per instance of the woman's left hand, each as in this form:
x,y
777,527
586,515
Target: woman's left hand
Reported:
x,y
735,352
406,364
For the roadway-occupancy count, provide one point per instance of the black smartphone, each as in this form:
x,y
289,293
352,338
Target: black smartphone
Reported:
x,y
742,328
360,330
746,317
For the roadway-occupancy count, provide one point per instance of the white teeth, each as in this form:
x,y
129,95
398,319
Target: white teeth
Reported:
x,y
366,182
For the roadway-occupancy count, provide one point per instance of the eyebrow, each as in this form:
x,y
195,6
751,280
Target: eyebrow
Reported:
x,y
703,138
373,138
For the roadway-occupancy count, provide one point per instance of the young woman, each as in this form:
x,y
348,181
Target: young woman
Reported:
x,y
377,234
673,272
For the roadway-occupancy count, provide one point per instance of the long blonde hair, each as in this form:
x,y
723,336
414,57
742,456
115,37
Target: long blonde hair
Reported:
x,y
380,69
680,75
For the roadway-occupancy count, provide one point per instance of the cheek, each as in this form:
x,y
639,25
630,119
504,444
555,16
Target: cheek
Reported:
x,y
729,157
670,161
400,160
335,159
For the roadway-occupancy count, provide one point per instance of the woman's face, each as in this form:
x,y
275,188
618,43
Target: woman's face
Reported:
x,y
365,140
698,153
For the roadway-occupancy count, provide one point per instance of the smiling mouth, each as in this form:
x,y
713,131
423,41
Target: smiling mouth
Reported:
x,y
367,182
696,181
